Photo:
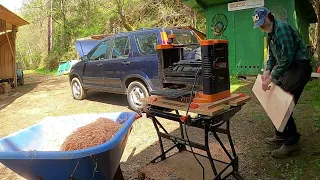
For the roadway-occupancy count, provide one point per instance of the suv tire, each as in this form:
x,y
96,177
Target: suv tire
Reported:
x,y
136,90
78,92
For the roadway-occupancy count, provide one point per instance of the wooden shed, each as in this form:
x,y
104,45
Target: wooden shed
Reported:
x,y
247,46
9,23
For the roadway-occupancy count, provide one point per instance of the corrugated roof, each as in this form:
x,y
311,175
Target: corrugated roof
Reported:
x,y
11,18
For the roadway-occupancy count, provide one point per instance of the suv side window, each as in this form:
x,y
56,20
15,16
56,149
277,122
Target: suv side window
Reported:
x,y
146,43
109,44
99,52
121,48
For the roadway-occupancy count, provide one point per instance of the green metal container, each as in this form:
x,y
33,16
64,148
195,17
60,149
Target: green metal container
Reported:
x,y
247,46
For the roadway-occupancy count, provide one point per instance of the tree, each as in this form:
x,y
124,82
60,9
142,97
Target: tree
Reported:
x,y
123,18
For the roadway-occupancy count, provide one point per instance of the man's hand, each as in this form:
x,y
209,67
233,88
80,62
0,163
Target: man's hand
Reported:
x,y
266,82
265,75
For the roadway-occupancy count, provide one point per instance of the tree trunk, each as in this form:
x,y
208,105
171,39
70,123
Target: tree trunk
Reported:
x,y
317,28
123,16
63,24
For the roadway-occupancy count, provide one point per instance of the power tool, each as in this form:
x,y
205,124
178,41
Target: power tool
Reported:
x,y
210,75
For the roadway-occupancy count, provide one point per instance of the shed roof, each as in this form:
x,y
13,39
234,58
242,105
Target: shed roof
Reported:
x,y
11,18
201,5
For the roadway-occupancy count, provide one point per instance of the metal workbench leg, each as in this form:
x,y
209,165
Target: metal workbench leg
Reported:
x,y
181,147
230,139
206,144
154,120
237,176
222,145
181,127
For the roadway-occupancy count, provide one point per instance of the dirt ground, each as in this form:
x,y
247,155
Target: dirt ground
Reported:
x,y
44,96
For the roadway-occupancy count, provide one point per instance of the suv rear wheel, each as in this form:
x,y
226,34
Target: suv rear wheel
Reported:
x,y
136,91
77,90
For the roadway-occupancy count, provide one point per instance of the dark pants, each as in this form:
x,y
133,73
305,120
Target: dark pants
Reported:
x,y
294,82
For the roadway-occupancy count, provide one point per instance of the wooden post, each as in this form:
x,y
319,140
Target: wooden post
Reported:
x,y
13,55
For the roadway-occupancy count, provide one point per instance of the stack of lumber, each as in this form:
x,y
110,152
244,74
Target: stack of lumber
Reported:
x,y
209,109
5,88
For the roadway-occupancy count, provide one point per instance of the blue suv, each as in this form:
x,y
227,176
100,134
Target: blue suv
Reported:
x,y
125,63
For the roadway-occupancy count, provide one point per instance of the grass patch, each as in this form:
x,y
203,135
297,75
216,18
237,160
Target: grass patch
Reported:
x,y
312,90
236,83
289,169
258,116
40,71
45,71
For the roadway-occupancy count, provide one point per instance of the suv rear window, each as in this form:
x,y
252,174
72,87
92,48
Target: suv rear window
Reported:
x,y
147,43
183,37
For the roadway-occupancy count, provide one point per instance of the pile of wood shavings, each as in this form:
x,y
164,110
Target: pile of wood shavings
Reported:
x,y
93,134
55,131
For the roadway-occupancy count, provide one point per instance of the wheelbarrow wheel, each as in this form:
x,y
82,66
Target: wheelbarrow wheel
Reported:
x,y
77,90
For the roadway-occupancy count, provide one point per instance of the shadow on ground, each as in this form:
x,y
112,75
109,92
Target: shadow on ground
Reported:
x,y
248,128
17,93
107,98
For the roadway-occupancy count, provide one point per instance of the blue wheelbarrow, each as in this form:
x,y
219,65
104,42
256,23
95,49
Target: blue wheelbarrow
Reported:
x,y
22,151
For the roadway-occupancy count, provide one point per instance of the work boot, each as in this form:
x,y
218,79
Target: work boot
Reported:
x,y
275,140
284,151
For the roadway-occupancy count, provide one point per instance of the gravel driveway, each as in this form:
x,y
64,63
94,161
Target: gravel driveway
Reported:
x,y
44,95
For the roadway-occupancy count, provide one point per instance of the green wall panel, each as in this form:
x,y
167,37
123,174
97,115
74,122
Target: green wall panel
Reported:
x,y
229,33
248,44
245,43
302,24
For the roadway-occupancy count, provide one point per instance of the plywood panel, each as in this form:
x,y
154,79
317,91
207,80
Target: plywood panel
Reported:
x,y
6,60
2,25
277,103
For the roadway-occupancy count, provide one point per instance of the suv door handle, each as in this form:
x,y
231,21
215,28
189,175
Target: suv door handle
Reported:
x,y
126,63
100,64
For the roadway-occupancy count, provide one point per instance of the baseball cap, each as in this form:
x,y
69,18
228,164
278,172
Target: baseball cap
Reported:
x,y
259,15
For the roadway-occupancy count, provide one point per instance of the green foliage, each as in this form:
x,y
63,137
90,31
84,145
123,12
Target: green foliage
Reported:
x,y
313,89
315,64
45,71
74,19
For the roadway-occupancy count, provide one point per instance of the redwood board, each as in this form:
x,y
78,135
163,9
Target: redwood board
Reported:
x,y
277,103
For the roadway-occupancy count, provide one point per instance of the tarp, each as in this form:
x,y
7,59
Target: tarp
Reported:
x,y
84,46
64,67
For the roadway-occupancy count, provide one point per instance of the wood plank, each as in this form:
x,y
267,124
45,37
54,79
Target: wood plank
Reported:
x,y
277,103
160,102
209,109
223,101
315,75
6,59
239,101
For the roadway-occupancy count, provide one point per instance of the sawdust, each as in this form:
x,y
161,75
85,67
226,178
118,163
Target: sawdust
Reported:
x,y
54,135
93,134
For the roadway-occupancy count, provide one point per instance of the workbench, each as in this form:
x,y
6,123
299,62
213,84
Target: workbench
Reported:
x,y
212,118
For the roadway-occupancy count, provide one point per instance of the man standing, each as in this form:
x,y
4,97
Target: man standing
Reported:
x,y
288,66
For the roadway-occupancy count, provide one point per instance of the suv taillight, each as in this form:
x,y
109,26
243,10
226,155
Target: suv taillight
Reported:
x,y
164,38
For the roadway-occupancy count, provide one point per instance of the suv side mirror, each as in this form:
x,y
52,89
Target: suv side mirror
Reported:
x,y
85,58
